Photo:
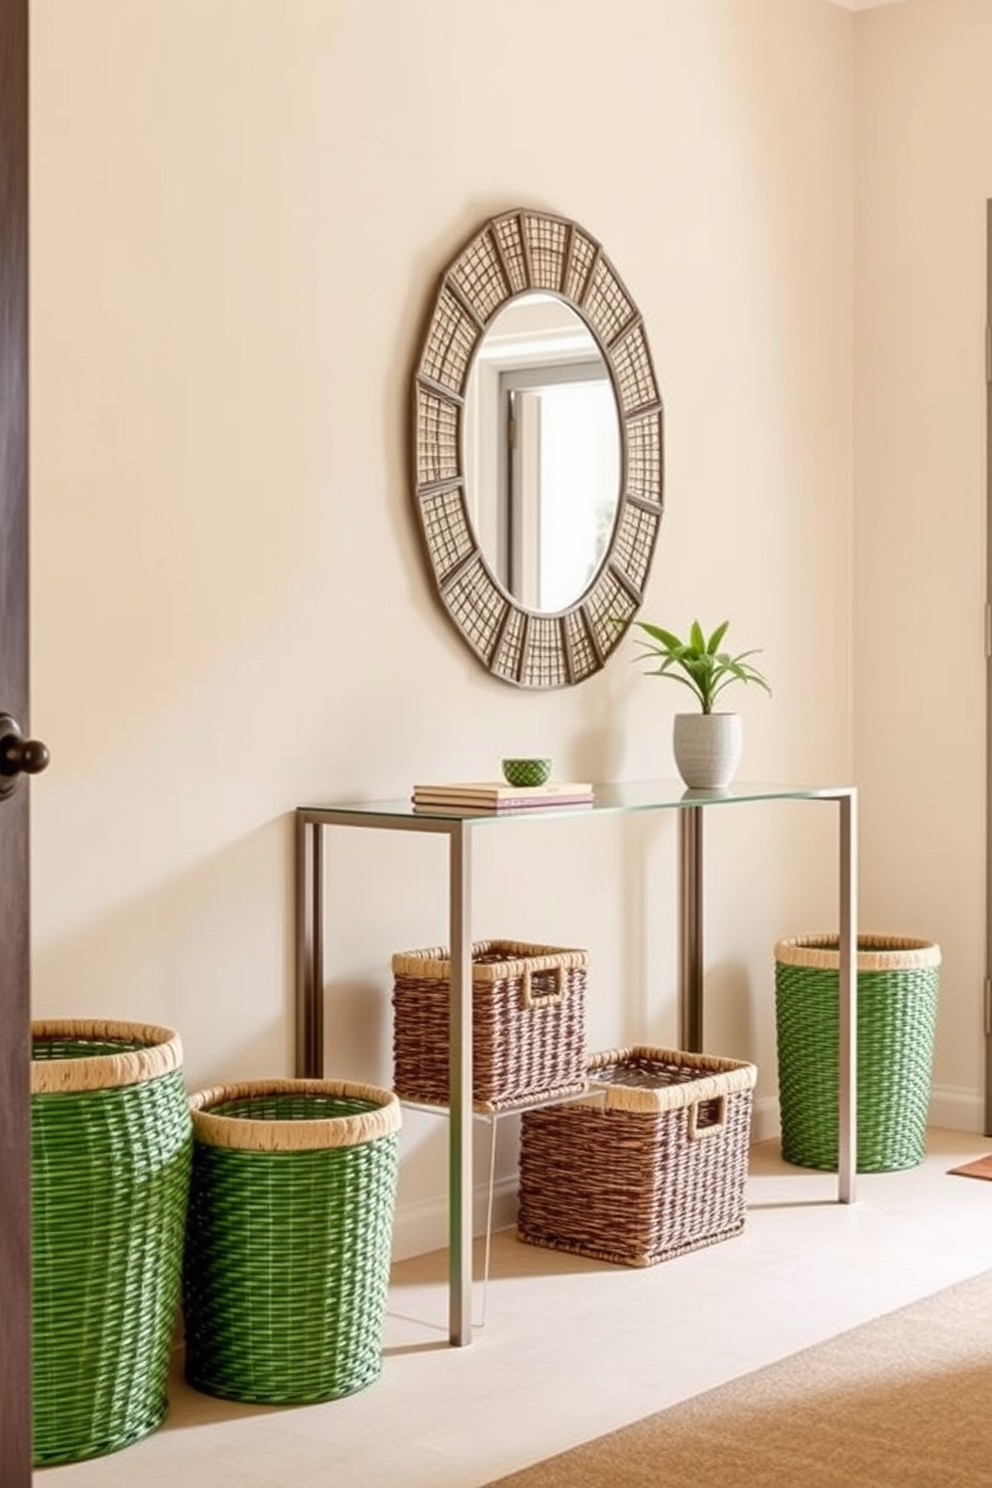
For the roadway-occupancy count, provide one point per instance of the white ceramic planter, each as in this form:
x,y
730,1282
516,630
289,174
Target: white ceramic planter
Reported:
x,y
707,748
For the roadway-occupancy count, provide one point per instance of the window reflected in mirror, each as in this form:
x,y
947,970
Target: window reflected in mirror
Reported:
x,y
542,452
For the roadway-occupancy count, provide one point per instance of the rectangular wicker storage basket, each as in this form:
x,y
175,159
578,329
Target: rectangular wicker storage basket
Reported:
x,y
528,1012
650,1167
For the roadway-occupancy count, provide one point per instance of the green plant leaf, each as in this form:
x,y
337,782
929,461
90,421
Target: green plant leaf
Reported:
x,y
698,663
669,641
717,637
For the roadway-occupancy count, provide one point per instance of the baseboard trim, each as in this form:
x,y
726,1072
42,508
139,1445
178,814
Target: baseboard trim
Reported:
x,y
422,1226
765,1121
950,1108
956,1109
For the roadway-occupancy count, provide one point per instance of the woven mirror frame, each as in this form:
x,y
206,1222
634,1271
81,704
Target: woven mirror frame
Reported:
x,y
510,255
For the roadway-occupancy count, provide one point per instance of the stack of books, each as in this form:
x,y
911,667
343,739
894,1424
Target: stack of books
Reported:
x,y
494,797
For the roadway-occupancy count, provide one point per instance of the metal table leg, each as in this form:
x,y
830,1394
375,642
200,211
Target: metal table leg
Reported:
x,y
309,1037
690,963
690,968
847,1164
460,1093
309,934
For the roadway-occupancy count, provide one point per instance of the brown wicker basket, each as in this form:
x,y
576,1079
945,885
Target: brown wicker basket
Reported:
x,y
651,1167
528,1011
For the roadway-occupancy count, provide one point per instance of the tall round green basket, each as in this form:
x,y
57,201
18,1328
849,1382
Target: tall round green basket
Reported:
x,y
897,986
289,1239
111,1151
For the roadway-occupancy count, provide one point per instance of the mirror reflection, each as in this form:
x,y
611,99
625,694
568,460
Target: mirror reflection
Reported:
x,y
541,452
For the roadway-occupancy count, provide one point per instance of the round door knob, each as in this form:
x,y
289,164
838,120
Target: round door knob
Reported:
x,y
23,756
18,756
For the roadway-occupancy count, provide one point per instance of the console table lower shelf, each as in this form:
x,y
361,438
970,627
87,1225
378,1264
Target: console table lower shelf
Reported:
x,y
493,1116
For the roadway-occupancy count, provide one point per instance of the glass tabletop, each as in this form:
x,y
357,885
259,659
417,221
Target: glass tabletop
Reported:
x,y
634,795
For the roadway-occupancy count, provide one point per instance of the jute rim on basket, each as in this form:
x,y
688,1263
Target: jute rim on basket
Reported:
x,y
246,1134
715,1077
163,1054
875,952
521,957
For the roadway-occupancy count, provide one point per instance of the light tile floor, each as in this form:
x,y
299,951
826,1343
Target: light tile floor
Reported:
x,y
571,1349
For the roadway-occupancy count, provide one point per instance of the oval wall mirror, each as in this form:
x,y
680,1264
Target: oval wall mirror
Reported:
x,y
537,450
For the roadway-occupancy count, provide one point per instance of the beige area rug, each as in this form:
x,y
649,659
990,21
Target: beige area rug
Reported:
x,y
904,1401
980,1168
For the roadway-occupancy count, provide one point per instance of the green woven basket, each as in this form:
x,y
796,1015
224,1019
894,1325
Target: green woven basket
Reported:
x,y
898,981
111,1151
289,1238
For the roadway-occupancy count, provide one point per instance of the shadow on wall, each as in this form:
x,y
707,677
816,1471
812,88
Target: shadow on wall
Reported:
x,y
358,1031
729,1027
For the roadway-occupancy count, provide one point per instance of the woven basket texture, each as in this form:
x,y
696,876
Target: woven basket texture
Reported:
x,y
898,983
528,1019
110,1183
288,1246
652,1169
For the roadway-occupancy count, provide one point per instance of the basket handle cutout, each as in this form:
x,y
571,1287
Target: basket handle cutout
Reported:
x,y
697,1129
544,999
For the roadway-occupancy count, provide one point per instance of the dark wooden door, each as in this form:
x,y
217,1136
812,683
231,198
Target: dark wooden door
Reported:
x,y
988,672
15,1256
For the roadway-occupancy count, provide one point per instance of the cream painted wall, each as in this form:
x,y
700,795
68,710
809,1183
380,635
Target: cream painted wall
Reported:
x,y
924,175
240,210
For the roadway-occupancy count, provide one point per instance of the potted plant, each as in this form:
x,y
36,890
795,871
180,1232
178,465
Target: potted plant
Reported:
x,y
707,743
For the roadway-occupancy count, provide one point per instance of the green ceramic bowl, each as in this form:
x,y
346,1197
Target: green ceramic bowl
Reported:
x,y
527,771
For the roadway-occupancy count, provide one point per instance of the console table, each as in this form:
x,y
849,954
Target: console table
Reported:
x,y
460,831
